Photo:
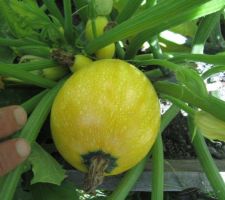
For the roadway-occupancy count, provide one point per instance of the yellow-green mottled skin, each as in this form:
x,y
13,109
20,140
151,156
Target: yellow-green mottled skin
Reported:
x,y
110,107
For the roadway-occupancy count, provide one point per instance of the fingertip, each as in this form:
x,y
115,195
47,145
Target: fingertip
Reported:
x,y
20,115
12,153
23,148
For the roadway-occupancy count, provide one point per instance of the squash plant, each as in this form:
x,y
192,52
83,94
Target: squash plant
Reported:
x,y
42,43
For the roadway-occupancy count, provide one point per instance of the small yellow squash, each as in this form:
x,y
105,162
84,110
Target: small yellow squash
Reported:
x,y
105,118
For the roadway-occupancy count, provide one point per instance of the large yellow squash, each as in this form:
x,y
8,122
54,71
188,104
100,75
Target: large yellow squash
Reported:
x,y
106,116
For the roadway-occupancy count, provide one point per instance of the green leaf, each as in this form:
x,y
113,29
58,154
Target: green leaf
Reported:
x,y
25,18
22,195
6,55
191,79
46,191
45,168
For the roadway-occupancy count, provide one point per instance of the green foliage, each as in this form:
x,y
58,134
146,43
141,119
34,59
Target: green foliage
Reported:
x,y
26,19
31,32
48,191
45,168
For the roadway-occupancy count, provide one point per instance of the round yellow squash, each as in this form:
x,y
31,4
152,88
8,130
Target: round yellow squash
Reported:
x,y
106,117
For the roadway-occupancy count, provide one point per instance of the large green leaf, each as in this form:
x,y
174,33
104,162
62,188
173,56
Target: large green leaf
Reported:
x,y
22,195
44,191
45,168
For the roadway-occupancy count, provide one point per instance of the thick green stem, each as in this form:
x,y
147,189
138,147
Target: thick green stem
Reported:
x,y
155,47
53,9
212,71
35,50
204,29
210,104
179,104
13,42
128,181
218,59
30,104
68,25
30,133
82,8
31,66
119,51
157,170
128,10
157,150
207,162
26,76
154,20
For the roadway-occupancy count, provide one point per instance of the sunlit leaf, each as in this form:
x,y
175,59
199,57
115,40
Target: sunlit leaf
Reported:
x,y
45,168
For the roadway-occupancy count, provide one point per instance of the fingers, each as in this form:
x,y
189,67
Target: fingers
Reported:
x,y
12,118
12,153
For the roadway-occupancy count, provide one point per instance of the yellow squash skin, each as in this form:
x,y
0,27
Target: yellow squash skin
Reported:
x,y
110,107
101,23
80,62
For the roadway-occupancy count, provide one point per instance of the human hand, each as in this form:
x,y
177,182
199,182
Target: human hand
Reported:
x,y
13,151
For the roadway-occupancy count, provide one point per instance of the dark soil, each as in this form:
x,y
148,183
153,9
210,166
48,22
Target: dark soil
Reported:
x,y
177,144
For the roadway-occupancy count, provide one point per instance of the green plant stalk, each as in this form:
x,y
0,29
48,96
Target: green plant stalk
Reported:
x,y
157,169
155,48
26,77
187,77
204,29
157,51
169,65
68,24
20,42
150,3
217,59
119,51
179,104
157,151
92,16
129,180
212,71
216,37
143,57
53,9
30,133
82,6
32,41
156,19
154,74
210,104
13,42
35,50
30,104
207,162
31,66
128,10
180,15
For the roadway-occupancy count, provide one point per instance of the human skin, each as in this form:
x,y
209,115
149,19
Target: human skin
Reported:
x,y
12,151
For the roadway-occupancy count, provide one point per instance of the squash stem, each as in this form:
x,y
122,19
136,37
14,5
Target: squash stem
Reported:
x,y
95,176
63,58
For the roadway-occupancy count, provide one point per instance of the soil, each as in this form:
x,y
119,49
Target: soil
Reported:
x,y
177,144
